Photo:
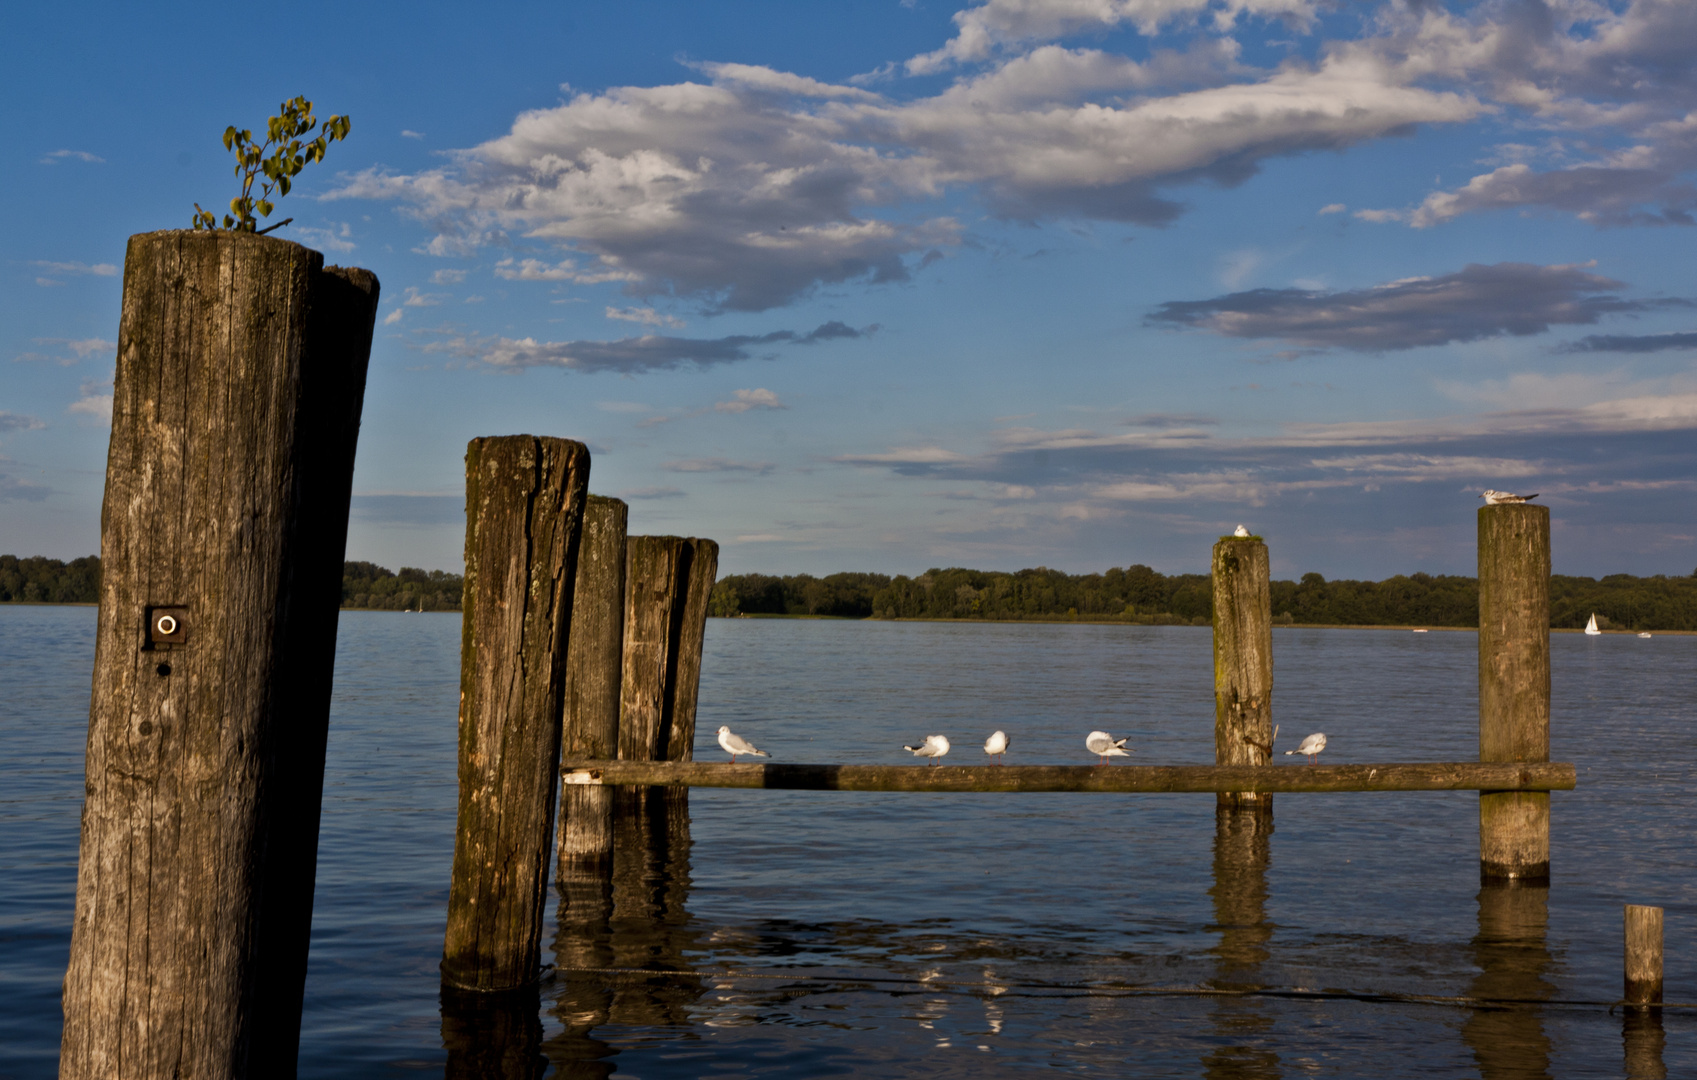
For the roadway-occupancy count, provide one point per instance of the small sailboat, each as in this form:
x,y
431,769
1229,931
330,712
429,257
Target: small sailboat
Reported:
x,y
1643,633
1591,627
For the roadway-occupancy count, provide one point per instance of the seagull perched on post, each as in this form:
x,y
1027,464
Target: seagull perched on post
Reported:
x,y
1240,532
1105,746
736,744
934,747
1310,746
996,745
1496,498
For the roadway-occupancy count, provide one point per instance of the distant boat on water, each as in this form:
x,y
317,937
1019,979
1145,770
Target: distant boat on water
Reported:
x,y
1420,631
1643,633
1591,627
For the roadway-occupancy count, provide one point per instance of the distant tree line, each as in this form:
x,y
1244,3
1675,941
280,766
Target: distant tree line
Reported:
x,y
1138,594
1135,594
367,585
364,585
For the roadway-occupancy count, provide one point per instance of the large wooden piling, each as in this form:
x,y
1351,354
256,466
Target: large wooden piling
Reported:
x,y
667,581
1243,661
594,674
1514,685
236,405
1643,955
524,514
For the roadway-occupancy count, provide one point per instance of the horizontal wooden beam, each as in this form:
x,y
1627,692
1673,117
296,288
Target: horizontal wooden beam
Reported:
x,y
1402,776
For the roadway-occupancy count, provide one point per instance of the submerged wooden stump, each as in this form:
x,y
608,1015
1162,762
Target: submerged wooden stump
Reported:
x,y
1243,661
524,515
594,673
236,405
1514,685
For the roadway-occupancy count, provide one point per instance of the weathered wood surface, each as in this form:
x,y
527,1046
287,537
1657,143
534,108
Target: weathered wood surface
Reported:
x,y
236,406
1402,776
1243,660
1514,684
524,516
594,672
665,619
1643,954
692,632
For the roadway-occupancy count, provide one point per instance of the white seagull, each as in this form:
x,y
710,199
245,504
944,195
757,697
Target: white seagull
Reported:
x,y
736,744
934,747
1105,746
1241,532
997,744
1310,746
1494,498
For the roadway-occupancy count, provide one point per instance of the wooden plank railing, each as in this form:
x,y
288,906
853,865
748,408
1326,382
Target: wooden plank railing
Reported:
x,y
1400,776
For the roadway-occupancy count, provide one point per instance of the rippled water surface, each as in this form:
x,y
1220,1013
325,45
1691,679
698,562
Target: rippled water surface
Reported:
x,y
945,935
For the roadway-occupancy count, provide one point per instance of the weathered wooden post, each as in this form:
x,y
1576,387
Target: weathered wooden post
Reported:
x,y
1243,661
236,406
594,677
1514,685
668,579
1643,955
524,515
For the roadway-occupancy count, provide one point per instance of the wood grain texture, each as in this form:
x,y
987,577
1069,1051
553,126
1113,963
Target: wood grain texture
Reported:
x,y
1243,660
594,679
1400,776
692,632
236,405
668,580
1514,684
1643,954
524,516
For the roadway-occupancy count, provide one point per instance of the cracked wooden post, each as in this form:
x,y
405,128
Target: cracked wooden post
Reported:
x,y
668,579
1243,662
524,515
236,406
594,676
1643,955
1514,685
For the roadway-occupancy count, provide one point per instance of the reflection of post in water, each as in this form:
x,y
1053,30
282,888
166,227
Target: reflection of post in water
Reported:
x,y
1509,1042
1643,1039
650,921
1242,852
582,947
492,1036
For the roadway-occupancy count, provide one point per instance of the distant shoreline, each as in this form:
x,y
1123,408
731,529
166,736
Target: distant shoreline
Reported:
x,y
1405,628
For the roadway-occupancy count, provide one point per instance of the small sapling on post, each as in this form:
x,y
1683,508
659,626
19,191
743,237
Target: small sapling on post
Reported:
x,y
287,156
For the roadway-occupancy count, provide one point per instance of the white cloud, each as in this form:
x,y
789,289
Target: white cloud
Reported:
x,y
647,316
72,269
335,237
95,399
907,455
11,421
622,407
718,465
744,400
78,348
753,190
447,277
405,134
56,156
1332,208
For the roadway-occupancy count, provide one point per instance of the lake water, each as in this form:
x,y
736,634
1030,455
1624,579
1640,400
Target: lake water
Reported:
x,y
961,935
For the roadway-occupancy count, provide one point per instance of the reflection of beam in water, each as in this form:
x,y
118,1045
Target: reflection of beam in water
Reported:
x,y
1242,853
1643,1039
1509,1043
492,1036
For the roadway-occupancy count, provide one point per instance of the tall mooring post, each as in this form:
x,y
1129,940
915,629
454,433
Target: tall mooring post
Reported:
x,y
1514,685
594,677
668,579
236,405
1243,662
524,515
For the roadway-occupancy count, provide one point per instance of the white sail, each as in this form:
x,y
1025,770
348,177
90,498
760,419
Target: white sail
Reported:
x,y
1591,627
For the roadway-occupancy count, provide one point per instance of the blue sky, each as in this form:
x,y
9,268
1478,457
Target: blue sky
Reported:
x,y
892,285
